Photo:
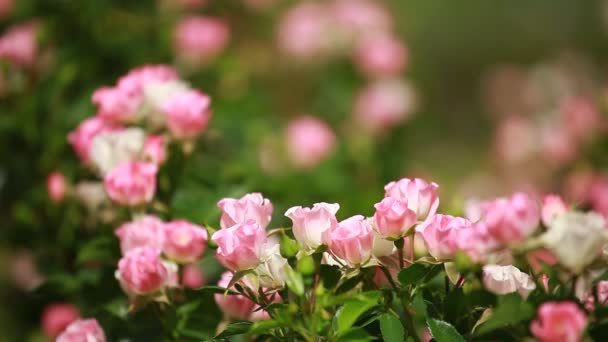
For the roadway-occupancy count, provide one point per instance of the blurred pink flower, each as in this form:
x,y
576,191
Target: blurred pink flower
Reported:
x,y
23,270
440,235
351,240
236,307
309,141
537,258
510,220
184,242
56,186
146,231
82,137
134,82
381,55
155,150
359,18
420,195
188,114
251,206
515,139
384,104
6,7
199,40
131,183
557,144
83,330
553,205
19,46
116,105
305,31
142,272
598,195
311,225
580,117
559,321
241,246
56,317
475,242
193,277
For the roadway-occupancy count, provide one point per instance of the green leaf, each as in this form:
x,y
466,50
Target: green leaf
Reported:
x,y
295,281
391,328
511,309
233,329
263,326
354,307
443,331
355,335
99,249
412,274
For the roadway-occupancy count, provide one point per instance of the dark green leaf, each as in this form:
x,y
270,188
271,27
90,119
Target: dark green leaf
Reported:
x,y
233,329
511,310
412,274
355,335
443,331
295,281
354,307
263,326
391,328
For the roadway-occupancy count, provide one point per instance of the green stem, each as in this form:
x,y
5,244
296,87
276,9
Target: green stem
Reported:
x,y
407,320
399,245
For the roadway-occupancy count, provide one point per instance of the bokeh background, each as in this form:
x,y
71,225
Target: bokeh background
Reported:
x,y
482,97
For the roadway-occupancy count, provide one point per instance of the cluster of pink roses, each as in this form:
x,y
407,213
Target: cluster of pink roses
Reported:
x,y
61,322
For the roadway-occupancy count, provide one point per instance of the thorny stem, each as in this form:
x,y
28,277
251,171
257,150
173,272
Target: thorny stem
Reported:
x,y
388,276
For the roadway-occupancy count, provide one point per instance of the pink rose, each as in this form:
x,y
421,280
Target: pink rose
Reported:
x,y
155,150
351,240
553,206
134,82
304,31
236,307
116,105
200,39
142,272
184,242
193,277
507,279
56,317
311,225
83,330
82,137
511,219
538,257
440,235
309,141
359,18
421,196
240,247
384,104
131,183
188,113
559,321
144,232
581,117
381,55
19,44
252,206
393,218
475,241
56,186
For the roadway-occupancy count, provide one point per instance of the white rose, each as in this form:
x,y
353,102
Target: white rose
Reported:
x,y
507,279
112,148
155,94
271,272
576,239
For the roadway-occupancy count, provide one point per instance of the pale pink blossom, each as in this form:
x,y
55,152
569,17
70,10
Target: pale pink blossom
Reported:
x,y
511,220
507,279
393,218
142,272
311,225
559,321
251,206
81,138
56,317
598,195
540,257
155,149
359,18
580,117
23,270
18,45
381,56
236,307
351,240
116,105
83,330
557,145
241,246
384,104
184,242
134,82
420,195
553,206
200,39
131,183
440,235
188,114
305,31
309,141
516,139
475,242
56,186
193,277
146,231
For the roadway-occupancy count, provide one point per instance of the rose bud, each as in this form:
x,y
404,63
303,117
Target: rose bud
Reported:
x,y
82,137
56,317
553,206
439,234
193,277
421,196
507,279
187,113
147,231
559,321
142,272
351,240
393,218
249,207
131,183
240,247
309,141
184,242
155,150
56,186
236,307
83,330
511,219
310,225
